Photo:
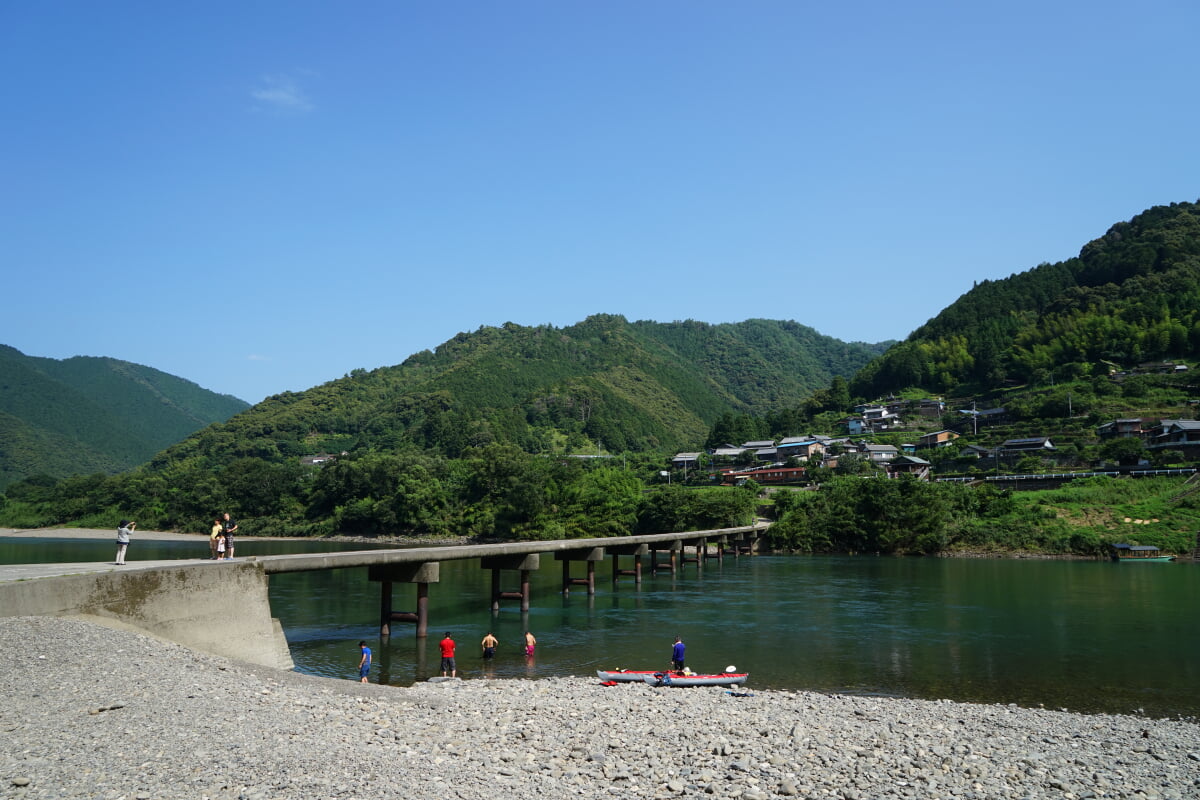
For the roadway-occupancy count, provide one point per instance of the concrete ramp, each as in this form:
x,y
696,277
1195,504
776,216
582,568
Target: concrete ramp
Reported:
x,y
224,611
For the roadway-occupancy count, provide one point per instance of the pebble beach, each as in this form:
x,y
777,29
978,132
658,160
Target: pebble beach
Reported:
x,y
94,712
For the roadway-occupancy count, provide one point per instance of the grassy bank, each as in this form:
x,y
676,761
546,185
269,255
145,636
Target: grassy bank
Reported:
x,y
1082,518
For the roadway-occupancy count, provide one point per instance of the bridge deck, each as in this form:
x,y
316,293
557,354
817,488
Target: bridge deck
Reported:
x,y
363,558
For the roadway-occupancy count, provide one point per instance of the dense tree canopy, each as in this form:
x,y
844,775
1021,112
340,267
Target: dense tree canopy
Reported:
x,y
1131,296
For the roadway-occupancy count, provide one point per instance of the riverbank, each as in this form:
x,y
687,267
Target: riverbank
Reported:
x,y
95,534
87,711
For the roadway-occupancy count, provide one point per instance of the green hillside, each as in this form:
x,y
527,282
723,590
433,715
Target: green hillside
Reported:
x,y
84,415
28,450
452,441
1131,296
603,383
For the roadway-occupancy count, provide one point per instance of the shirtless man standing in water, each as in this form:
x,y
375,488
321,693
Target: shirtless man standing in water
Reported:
x,y
489,645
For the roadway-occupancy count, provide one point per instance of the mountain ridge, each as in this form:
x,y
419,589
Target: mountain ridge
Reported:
x,y
94,414
602,382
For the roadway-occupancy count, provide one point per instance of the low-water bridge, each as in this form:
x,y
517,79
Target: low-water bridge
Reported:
x,y
223,607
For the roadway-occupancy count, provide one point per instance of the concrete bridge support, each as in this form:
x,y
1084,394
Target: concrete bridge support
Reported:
x,y
221,609
591,556
524,564
422,574
635,550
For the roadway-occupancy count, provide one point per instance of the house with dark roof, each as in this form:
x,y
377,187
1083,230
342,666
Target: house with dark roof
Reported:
x,y
908,465
1124,429
727,454
879,453
937,439
1033,444
1176,434
686,461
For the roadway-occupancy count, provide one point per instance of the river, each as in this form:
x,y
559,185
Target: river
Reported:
x,y
1081,635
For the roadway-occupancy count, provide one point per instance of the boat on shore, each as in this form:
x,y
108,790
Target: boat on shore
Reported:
x,y
1139,552
668,678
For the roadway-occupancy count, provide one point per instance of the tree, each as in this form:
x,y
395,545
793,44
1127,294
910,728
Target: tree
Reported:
x,y
1126,451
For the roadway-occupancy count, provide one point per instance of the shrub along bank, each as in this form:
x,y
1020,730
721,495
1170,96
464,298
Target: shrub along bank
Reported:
x,y
1083,518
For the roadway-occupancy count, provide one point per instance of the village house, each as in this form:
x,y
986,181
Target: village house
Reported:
x,y
872,419
879,453
726,455
1033,444
1176,434
686,461
799,447
1124,429
931,408
908,465
767,454
937,439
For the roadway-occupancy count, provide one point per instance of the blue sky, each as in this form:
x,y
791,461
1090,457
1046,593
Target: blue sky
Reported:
x,y
263,196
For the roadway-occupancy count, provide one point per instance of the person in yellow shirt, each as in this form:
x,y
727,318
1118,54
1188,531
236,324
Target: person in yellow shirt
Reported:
x,y
213,536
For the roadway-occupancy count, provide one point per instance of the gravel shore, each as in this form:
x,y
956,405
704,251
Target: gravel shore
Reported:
x,y
89,711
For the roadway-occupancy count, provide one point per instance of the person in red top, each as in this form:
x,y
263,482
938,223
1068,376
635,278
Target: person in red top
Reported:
x,y
448,665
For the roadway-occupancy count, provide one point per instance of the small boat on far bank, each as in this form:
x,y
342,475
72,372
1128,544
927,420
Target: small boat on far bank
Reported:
x,y
666,678
1139,552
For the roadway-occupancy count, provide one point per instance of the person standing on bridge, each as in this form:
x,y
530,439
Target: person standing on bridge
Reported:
x,y
213,535
229,527
123,531
448,664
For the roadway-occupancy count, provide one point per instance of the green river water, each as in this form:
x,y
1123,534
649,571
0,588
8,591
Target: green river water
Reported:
x,y
1083,635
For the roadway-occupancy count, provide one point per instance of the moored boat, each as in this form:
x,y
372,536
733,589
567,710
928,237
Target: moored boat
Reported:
x,y
1139,552
665,678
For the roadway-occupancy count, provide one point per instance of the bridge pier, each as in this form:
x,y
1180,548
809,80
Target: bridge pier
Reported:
x,y
420,573
673,549
591,556
521,563
717,552
635,550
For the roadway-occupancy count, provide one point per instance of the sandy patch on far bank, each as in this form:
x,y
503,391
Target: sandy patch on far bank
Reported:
x,y
92,533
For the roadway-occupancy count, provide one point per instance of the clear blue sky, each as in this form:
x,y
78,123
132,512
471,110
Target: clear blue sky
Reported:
x,y
263,196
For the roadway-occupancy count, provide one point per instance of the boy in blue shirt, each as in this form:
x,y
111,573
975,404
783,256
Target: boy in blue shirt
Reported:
x,y
364,663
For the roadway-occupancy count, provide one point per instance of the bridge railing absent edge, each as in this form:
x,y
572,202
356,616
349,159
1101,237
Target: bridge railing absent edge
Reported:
x,y
365,558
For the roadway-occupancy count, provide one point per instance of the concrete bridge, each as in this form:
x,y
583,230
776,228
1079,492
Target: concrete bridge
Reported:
x,y
223,607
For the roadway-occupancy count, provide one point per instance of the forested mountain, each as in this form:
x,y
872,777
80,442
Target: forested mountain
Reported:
x,y
85,414
1131,296
602,383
